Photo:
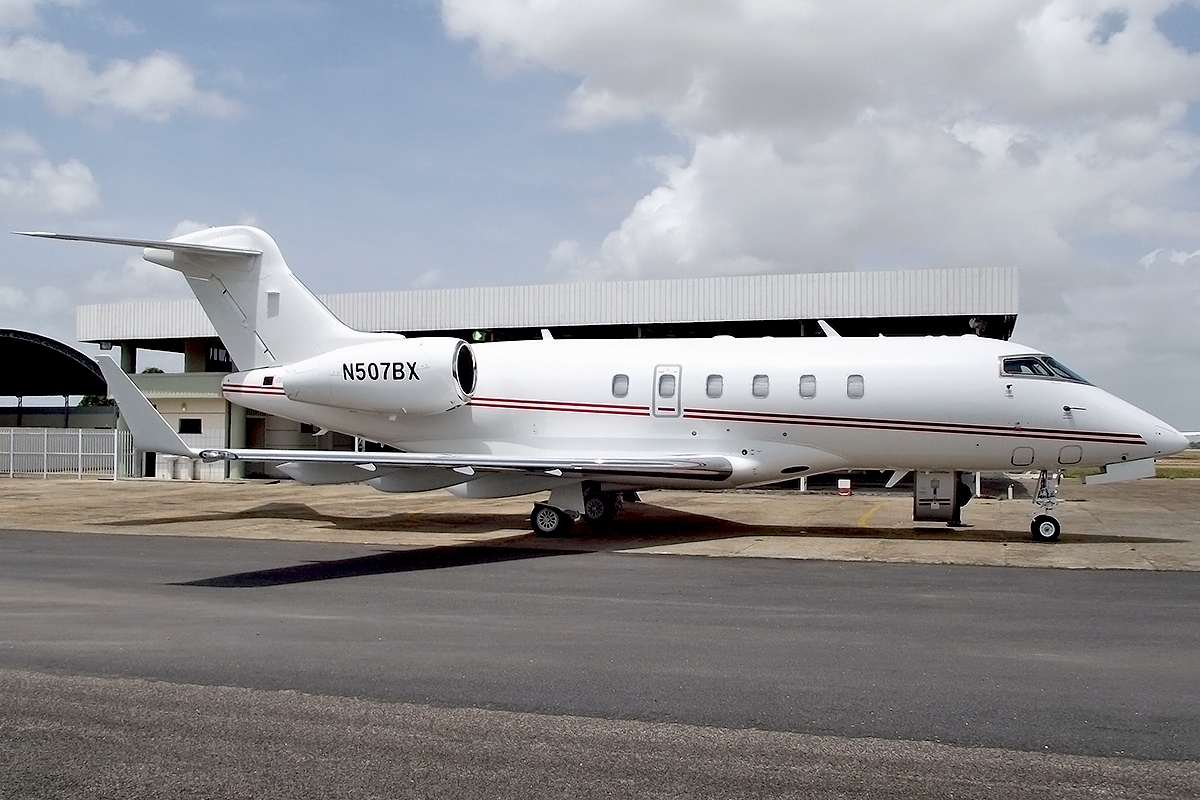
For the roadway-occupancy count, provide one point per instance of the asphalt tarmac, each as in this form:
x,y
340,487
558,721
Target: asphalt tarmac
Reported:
x,y
165,666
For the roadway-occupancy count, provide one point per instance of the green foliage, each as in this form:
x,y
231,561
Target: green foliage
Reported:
x,y
95,400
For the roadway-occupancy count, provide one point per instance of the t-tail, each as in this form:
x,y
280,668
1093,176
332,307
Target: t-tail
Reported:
x,y
264,315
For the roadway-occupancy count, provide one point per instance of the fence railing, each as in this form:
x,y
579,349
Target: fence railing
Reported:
x,y
66,451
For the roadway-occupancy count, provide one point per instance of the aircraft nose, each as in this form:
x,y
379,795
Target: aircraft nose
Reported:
x,y
1167,440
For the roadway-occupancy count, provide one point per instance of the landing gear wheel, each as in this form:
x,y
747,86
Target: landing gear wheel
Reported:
x,y
1045,528
601,506
550,521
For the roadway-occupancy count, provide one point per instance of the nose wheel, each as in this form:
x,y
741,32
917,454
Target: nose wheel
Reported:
x,y
1045,528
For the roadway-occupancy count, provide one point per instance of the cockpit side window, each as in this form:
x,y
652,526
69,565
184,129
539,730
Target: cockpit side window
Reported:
x,y
1039,367
1026,365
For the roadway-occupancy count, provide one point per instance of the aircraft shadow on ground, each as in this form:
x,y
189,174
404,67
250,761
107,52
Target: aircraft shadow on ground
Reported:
x,y
641,525
393,561
414,522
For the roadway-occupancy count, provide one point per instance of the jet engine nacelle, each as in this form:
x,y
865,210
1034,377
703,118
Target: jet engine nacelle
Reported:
x,y
400,376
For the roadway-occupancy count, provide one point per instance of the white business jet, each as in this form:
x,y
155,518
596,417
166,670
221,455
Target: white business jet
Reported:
x,y
592,421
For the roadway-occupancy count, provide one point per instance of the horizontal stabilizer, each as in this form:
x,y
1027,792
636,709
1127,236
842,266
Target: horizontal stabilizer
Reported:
x,y
151,432
175,247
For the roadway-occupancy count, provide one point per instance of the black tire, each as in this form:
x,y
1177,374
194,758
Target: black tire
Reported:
x,y
601,506
1045,528
550,521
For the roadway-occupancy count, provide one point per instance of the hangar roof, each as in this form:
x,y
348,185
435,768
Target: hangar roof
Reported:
x,y
36,366
831,296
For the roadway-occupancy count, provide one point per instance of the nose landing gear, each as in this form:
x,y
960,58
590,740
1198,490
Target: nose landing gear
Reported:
x,y
1045,528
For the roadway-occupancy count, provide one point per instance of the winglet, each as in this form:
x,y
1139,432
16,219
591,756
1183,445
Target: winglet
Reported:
x,y
828,329
151,432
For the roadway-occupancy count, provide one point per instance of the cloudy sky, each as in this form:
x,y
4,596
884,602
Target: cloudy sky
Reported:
x,y
406,143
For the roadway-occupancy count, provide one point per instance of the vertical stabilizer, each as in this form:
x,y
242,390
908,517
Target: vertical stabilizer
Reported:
x,y
262,312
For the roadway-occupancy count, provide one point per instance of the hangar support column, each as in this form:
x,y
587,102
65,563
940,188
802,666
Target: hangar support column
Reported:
x,y
195,355
128,359
235,436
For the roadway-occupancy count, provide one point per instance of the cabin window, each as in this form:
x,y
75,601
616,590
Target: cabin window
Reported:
x,y
269,380
620,385
854,387
714,386
761,386
666,385
808,386
189,425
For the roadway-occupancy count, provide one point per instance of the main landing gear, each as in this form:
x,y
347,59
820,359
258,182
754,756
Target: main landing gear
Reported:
x,y
1045,528
598,508
550,521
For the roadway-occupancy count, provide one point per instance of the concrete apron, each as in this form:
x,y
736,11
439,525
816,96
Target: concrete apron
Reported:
x,y
1151,524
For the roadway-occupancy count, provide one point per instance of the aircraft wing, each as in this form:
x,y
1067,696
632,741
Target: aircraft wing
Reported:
x,y
702,467
152,433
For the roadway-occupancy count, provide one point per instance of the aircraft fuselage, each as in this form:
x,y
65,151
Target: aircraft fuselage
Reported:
x,y
777,408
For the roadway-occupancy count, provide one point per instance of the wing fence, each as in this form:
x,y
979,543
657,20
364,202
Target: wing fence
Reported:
x,y
66,451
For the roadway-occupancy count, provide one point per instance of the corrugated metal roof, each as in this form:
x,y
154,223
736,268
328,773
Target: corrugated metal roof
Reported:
x,y
832,295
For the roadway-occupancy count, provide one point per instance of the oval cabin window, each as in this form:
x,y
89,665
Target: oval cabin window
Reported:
x,y
808,386
620,385
761,386
714,386
666,386
854,387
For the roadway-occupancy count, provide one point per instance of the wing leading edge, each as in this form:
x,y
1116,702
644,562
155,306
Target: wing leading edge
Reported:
x,y
152,433
154,244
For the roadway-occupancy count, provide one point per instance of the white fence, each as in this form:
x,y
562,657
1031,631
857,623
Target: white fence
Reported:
x,y
66,451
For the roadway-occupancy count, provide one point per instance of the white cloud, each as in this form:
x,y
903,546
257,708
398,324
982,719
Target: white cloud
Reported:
x,y
137,279
429,279
38,302
20,143
1044,134
22,14
154,87
1170,256
39,185
12,299
869,133
187,226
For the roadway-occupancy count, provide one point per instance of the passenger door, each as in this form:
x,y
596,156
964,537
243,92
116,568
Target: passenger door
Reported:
x,y
668,401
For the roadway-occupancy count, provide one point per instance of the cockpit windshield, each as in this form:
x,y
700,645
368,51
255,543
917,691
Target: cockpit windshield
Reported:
x,y
1040,367
1063,371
